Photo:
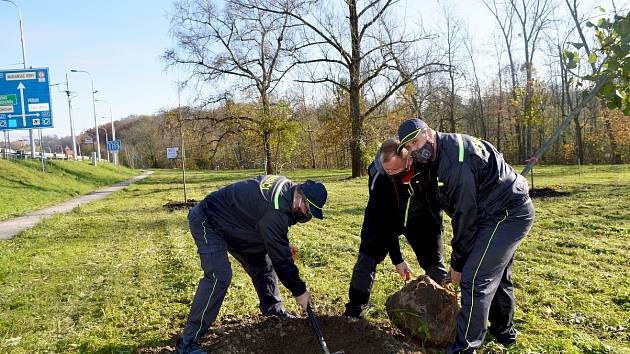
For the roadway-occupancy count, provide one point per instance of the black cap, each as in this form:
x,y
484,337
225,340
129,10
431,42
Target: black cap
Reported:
x,y
316,195
409,129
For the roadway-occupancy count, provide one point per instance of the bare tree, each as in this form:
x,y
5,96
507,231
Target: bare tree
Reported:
x,y
246,44
477,87
454,41
533,17
504,15
346,45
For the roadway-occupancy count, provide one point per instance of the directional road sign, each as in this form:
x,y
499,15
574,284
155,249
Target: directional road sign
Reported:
x,y
114,145
25,99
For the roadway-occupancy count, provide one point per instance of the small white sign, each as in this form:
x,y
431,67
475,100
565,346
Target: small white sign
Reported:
x,y
29,75
88,140
171,153
38,107
6,109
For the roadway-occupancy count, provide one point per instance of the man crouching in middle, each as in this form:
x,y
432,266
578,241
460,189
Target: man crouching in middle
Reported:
x,y
399,203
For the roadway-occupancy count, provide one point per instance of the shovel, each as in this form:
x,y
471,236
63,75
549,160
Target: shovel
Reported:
x,y
318,331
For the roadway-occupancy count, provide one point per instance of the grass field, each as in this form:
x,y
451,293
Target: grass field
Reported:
x,y
120,273
24,188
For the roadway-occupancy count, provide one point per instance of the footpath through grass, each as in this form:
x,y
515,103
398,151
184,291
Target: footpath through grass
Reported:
x,y
119,274
24,187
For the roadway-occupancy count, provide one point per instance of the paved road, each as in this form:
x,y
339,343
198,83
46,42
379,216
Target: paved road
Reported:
x,y
12,227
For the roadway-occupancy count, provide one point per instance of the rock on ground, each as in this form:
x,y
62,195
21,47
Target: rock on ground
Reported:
x,y
426,311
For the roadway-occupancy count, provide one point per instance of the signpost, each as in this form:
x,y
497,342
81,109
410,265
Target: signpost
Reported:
x,y
114,145
88,140
25,99
171,153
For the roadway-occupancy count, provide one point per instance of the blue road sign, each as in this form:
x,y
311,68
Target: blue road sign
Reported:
x,y
25,99
114,145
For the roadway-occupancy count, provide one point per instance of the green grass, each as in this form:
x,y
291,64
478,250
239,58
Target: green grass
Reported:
x,y
119,274
24,187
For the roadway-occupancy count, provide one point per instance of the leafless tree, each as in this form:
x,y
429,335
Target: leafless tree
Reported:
x,y
533,16
245,44
453,46
345,44
504,15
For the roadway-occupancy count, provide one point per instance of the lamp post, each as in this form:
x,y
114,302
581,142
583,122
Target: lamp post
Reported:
x,y
70,97
98,142
30,131
106,139
111,120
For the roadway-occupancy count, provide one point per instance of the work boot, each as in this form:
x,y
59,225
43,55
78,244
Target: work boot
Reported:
x,y
506,337
282,315
190,348
353,313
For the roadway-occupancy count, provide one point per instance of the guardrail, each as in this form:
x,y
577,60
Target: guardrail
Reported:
x,y
25,154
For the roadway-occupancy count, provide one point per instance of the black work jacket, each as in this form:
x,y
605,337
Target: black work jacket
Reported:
x,y
475,186
254,216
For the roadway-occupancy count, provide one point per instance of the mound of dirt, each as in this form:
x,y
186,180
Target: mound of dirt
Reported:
x,y
172,206
426,311
546,193
270,335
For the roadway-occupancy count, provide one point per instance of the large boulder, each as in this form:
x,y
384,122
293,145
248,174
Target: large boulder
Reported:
x,y
426,311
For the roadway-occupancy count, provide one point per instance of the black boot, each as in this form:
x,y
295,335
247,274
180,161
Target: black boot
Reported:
x,y
186,347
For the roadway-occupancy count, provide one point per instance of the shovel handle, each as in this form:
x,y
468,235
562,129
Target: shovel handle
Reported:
x,y
316,329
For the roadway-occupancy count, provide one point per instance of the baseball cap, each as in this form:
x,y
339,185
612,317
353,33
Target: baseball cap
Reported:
x,y
409,129
316,194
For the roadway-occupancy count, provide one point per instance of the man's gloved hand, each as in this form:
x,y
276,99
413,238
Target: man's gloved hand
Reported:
x,y
303,300
404,270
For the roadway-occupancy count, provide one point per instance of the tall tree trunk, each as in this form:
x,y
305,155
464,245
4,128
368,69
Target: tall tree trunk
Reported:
x,y
614,154
355,93
500,112
451,101
266,134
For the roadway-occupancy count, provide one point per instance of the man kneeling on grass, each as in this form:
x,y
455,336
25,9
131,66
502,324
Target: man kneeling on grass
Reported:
x,y
249,219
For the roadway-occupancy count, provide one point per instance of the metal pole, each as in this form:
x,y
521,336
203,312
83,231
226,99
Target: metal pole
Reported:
x,y
181,134
111,120
74,140
30,131
41,150
106,140
97,142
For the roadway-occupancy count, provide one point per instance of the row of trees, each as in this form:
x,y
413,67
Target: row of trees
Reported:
x,y
308,83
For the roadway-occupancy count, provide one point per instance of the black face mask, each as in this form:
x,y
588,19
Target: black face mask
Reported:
x,y
424,154
300,217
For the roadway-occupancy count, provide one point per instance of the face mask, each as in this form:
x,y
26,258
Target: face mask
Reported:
x,y
300,217
424,154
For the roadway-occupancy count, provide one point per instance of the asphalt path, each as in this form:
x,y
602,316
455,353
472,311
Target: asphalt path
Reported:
x,y
12,227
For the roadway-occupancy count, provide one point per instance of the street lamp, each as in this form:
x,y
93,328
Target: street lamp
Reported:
x,y
30,131
106,139
70,97
111,120
98,142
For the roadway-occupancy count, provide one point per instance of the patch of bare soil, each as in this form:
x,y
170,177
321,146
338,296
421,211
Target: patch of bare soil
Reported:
x,y
172,206
270,335
546,193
